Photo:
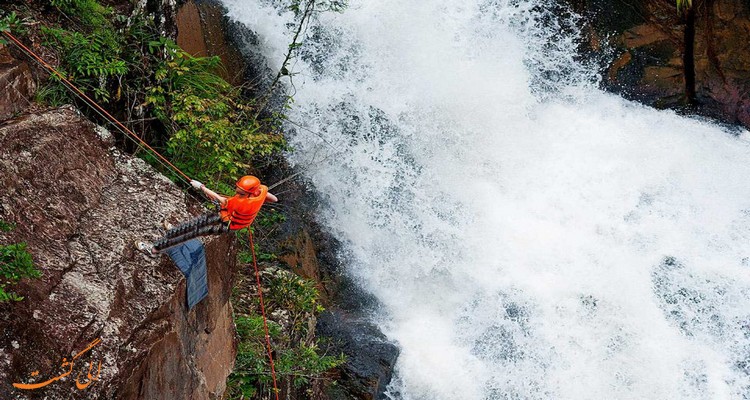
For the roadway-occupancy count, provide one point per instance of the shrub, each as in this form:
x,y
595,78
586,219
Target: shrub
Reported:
x,y
213,134
10,22
207,127
299,360
6,227
89,12
15,264
251,367
89,60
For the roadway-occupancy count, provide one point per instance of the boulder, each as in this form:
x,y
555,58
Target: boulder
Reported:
x,y
80,204
17,83
201,30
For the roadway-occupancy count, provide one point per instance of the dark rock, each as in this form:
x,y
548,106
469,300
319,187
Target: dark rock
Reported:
x,y
164,11
344,327
646,37
80,204
17,85
370,356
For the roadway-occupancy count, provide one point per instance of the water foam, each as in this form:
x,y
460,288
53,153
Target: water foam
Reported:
x,y
528,235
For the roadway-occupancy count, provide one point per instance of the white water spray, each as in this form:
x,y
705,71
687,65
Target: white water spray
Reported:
x,y
529,236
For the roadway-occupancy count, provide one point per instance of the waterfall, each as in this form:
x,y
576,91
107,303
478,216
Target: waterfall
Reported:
x,y
528,235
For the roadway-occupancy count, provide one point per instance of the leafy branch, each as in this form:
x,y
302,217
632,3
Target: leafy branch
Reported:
x,y
304,13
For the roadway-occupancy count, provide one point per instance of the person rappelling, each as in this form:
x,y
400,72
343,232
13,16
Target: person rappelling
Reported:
x,y
236,212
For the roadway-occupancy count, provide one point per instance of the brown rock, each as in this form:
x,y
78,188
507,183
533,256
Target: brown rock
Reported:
x,y
617,65
727,10
80,204
189,30
652,47
200,32
662,77
643,35
300,254
744,112
17,85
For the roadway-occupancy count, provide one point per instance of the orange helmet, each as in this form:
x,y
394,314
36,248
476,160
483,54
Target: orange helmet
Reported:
x,y
248,183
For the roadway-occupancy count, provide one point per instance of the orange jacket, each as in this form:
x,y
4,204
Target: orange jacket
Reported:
x,y
241,212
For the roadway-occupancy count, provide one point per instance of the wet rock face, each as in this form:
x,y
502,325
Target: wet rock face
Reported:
x,y
201,32
647,39
344,327
309,251
370,355
80,204
16,82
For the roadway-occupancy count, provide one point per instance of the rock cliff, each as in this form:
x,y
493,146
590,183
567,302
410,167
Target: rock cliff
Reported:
x,y
17,84
308,250
79,204
646,38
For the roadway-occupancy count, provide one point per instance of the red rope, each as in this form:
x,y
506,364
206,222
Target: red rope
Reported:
x,y
263,311
92,103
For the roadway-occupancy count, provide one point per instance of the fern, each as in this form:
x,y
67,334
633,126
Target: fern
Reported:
x,y
212,137
89,60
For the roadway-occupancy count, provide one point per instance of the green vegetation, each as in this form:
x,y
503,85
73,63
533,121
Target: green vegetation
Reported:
x,y
269,218
89,60
15,264
246,257
213,133
684,4
292,303
6,227
10,22
211,130
205,126
251,369
92,53
298,358
89,12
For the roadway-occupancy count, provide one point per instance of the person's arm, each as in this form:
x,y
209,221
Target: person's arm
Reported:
x,y
214,196
269,197
209,193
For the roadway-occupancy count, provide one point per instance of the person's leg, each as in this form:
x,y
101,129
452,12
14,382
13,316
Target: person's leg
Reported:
x,y
209,218
210,225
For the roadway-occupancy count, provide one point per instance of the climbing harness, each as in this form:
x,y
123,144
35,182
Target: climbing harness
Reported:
x,y
122,128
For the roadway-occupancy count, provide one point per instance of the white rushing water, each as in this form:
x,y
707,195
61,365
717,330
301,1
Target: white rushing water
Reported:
x,y
529,236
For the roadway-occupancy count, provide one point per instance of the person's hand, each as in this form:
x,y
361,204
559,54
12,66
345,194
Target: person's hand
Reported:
x,y
196,184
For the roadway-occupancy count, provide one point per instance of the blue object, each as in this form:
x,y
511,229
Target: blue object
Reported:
x,y
191,260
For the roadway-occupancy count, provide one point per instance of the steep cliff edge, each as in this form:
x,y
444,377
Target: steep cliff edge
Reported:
x,y
646,38
299,241
79,204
